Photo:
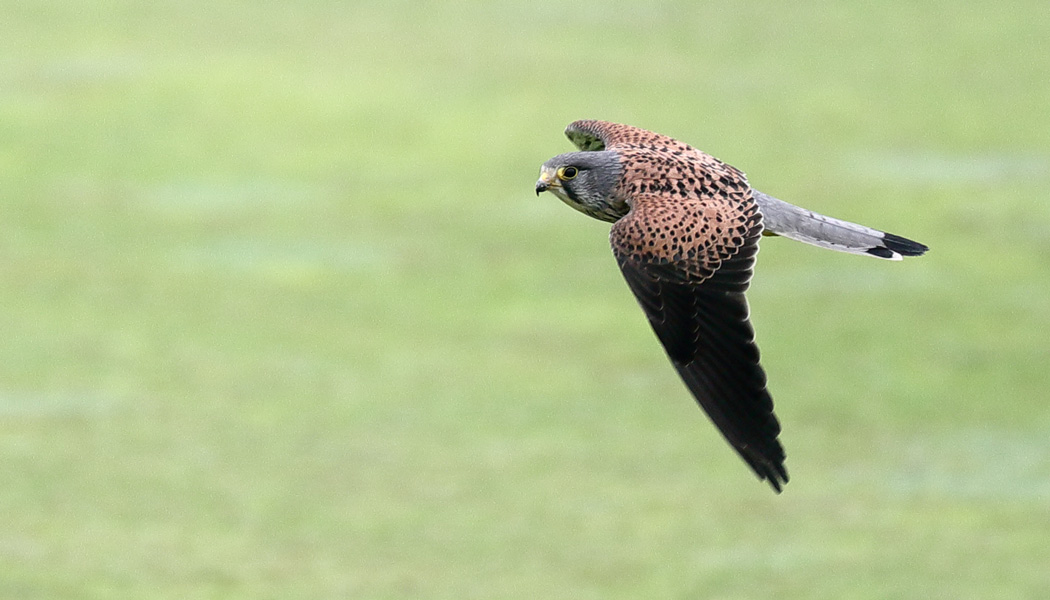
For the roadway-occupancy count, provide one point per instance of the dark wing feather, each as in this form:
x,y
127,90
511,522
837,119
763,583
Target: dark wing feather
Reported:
x,y
705,329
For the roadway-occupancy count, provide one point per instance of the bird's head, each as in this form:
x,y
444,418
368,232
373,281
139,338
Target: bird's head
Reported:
x,y
586,181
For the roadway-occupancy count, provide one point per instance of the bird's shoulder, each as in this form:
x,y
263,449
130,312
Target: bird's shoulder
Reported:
x,y
685,239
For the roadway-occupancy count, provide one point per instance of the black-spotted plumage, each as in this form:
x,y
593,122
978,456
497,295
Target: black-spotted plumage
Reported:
x,y
685,233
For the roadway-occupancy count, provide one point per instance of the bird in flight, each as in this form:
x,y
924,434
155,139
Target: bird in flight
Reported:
x,y
685,233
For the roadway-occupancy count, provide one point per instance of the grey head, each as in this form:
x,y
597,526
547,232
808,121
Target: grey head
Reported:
x,y
586,181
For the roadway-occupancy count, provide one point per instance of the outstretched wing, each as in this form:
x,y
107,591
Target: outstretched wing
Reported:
x,y
589,135
689,272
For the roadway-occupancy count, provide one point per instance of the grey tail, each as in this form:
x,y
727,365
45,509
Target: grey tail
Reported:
x,y
803,225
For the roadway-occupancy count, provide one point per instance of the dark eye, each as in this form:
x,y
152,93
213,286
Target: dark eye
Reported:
x,y
566,173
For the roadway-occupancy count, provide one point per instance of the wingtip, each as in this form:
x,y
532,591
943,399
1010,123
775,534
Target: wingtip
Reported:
x,y
778,478
775,476
586,134
767,468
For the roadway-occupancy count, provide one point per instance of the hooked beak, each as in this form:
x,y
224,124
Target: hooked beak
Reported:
x,y
546,181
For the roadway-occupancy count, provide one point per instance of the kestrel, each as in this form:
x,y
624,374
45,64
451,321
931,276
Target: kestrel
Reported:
x,y
685,233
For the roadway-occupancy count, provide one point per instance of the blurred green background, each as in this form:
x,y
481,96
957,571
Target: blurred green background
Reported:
x,y
282,317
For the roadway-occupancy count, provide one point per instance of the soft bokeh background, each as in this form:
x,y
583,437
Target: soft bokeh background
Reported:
x,y
281,316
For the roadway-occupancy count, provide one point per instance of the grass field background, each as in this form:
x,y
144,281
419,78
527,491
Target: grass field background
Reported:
x,y
282,318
